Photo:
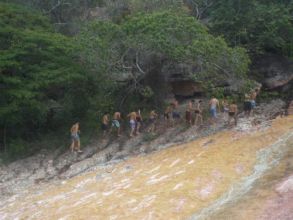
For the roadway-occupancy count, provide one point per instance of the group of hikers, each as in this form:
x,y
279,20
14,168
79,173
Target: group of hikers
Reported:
x,y
135,122
193,116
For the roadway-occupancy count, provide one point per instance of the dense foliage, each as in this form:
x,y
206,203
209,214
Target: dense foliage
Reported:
x,y
41,79
258,25
182,38
134,46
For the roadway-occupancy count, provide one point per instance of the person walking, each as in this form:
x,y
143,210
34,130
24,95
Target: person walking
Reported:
x,y
132,123
152,119
138,122
116,122
105,124
214,104
75,140
188,113
198,113
233,111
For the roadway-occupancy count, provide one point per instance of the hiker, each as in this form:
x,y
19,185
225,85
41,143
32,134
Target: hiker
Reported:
x,y
198,112
247,105
188,113
225,106
132,123
233,111
175,113
152,119
75,138
116,122
253,96
138,122
214,103
105,123
167,114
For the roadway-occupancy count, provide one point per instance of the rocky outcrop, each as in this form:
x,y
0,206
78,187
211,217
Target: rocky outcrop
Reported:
x,y
273,71
186,88
181,78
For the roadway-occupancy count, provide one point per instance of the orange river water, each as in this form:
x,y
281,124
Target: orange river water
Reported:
x,y
187,181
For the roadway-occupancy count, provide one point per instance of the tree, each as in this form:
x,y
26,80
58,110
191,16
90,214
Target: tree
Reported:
x,y
255,24
38,69
181,38
134,46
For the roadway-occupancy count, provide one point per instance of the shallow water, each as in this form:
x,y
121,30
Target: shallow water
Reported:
x,y
263,200
207,178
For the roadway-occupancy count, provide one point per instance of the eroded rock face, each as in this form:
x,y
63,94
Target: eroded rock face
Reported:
x,y
275,71
180,76
186,88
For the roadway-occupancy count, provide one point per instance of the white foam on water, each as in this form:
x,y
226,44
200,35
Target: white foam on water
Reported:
x,y
138,172
198,155
154,181
84,182
3,215
153,170
149,216
285,186
206,191
174,163
83,199
119,195
178,186
146,202
191,162
113,217
180,172
108,193
266,159
127,186
154,176
131,201
125,180
64,217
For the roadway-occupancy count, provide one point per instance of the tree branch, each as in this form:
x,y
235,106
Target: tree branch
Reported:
x,y
137,64
60,2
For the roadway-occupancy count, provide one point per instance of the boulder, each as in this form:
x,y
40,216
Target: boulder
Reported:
x,y
181,78
186,88
273,71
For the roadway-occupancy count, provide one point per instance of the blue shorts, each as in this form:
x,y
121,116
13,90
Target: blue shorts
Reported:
x,y
213,112
253,104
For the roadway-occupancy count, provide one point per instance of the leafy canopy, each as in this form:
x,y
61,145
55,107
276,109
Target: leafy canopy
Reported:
x,y
259,25
37,69
181,38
